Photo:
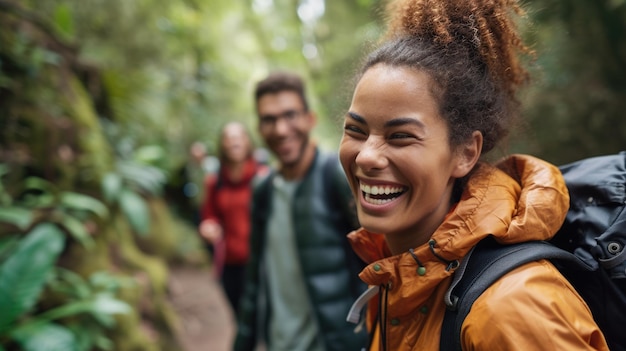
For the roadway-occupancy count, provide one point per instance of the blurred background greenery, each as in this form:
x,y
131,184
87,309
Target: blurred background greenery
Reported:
x,y
101,99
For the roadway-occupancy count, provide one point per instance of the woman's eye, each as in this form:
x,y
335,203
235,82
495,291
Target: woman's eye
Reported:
x,y
353,129
400,136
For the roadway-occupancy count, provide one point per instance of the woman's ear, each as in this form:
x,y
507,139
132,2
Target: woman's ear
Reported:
x,y
468,154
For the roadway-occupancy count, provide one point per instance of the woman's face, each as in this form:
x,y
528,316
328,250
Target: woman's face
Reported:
x,y
396,155
235,143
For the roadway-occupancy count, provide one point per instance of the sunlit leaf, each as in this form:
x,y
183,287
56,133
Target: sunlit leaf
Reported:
x,y
136,211
147,178
63,20
77,230
108,304
84,203
102,307
23,274
48,337
105,306
66,310
111,187
36,183
17,216
150,154
107,281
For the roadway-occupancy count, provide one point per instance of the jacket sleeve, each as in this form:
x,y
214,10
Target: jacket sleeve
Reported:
x,y
531,308
208,210
248,318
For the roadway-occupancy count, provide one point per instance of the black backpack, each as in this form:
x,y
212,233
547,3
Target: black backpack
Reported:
x,y
588,250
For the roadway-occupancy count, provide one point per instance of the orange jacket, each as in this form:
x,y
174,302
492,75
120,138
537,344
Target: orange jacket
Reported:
x,y
531,308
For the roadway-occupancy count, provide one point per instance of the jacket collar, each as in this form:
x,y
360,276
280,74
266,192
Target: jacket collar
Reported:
x,y
249,171
522,198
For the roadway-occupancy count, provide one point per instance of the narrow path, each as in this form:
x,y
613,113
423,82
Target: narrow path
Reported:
x,y
207,322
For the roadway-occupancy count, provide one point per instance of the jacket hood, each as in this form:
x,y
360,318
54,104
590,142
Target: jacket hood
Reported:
x,y
521,198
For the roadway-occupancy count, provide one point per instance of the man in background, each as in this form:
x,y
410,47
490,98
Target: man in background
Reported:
x,y
302,276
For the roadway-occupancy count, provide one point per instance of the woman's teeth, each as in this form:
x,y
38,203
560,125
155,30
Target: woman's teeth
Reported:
x,y
379,195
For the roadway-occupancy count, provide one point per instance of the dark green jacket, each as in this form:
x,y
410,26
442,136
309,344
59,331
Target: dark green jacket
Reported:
x,y
323,214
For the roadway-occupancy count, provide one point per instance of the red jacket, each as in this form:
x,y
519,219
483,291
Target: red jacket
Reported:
x,y
229,205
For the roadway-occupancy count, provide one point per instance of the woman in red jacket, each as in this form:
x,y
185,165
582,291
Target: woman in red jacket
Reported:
x,y
225,214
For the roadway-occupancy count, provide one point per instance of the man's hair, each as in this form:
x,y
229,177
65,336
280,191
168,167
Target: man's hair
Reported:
x,y
280,81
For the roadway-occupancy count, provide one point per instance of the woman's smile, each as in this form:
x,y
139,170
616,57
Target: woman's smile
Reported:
x,y
378,195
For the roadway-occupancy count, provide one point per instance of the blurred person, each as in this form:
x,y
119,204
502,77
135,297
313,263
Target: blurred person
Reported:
x,y
302,274
199,165
225,213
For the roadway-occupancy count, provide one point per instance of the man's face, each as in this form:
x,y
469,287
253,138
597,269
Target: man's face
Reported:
x,y
285,125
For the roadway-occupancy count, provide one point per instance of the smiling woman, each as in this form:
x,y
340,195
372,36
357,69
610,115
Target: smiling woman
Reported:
x,y
437,95
394,119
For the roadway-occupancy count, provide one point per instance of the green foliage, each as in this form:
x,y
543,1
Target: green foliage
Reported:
x,y
44,215
60,91
19,217
79,202
136,211
94,296
124,187
63,21
23,273
46,337
141,177
39,201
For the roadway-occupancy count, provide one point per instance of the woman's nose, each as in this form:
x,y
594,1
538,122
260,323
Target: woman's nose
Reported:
x,y
371,156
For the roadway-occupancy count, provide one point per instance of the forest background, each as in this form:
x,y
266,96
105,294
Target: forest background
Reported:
x,y
101,99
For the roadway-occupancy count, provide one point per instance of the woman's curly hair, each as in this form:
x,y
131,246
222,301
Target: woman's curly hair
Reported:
x,y
471,50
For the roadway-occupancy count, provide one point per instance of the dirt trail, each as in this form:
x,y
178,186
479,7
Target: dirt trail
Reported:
x,y
207,322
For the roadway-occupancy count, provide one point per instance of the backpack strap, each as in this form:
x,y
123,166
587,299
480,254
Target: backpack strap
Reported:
x,y
483,265
262,193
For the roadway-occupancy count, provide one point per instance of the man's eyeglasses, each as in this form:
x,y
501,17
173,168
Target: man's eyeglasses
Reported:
x,y
270,121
